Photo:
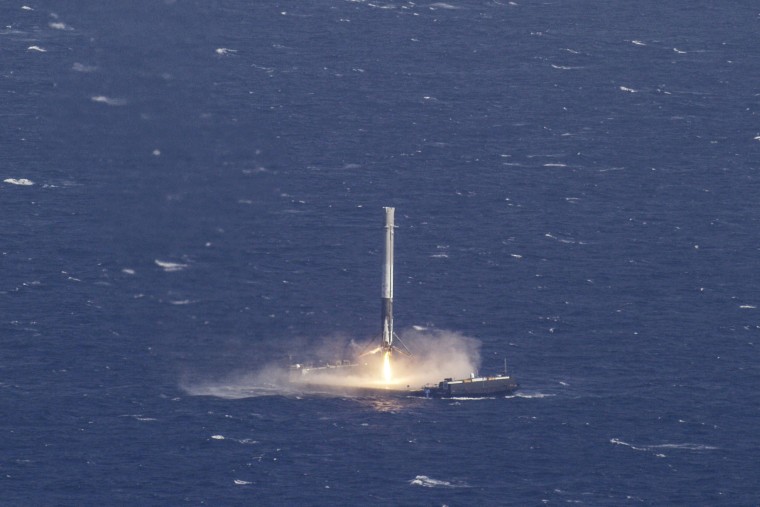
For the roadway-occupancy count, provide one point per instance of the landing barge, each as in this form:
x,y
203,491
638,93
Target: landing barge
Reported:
x,y
473,387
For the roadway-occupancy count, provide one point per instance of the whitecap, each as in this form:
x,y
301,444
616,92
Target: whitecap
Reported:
x,y
684,446
139,417
629,90
36,48
128,271
531,396
443,5
181,302
556,164
57,25
170,267
26,8
225,51
241,483
652,448
617,441
427,482
747,307
102,99
217,437
637,43
516,256
568,241
22,181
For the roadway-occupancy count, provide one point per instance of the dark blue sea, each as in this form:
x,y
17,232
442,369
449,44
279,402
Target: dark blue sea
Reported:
x,y
193,190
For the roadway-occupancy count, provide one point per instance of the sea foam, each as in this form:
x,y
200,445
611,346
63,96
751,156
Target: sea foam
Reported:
x,y
427,482
22,181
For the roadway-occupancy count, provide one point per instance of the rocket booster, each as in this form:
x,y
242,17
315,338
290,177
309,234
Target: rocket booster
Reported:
x,y
387,296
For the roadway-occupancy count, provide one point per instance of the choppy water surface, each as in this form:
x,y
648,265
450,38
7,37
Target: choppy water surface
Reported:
x,y
192,191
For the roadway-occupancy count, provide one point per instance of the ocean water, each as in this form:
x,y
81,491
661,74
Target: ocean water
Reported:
x,y
193,190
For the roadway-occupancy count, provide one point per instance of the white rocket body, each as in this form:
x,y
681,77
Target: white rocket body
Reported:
x,y
387,296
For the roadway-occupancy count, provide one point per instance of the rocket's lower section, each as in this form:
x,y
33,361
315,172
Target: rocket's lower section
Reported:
x,y
387,317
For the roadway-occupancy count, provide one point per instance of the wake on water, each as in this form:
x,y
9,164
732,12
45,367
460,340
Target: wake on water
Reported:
x,y
657,448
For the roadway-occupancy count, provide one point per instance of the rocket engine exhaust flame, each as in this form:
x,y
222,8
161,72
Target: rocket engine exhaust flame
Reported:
x,y
387,367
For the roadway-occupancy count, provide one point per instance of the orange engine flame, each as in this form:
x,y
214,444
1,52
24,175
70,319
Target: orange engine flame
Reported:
x,y
387,366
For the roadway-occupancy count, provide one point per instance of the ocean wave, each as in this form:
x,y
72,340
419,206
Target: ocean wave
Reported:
x,y
170,267
244,441
530,396
568,241
109,101
21,181
684,446
427,482
182,302
654,447
58,25
140,417
443,5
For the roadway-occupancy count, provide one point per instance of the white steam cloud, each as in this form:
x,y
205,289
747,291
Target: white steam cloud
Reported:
x,y
436,354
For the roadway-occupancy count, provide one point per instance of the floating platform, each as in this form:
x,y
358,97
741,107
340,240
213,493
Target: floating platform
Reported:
x,y
473,387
